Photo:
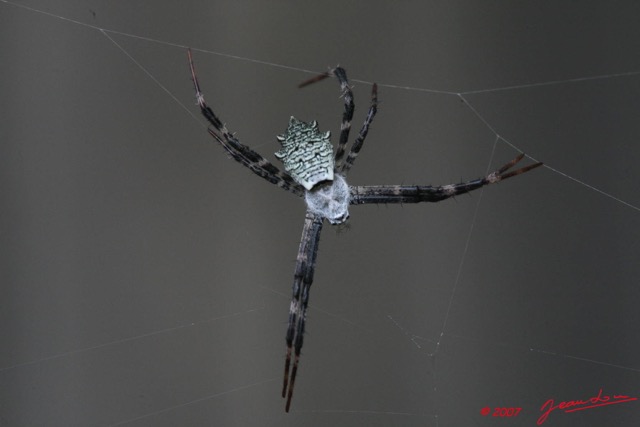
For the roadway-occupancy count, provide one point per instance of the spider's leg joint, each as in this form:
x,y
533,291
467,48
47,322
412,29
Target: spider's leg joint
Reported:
x,y
449,189
493,177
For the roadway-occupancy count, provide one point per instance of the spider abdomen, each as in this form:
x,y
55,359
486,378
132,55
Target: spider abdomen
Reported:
x,y
307,153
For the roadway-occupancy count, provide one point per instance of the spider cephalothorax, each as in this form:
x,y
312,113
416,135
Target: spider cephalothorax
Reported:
x,y
330,200
307,153
313,172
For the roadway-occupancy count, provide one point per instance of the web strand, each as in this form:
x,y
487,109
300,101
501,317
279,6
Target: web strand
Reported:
x,y
546,165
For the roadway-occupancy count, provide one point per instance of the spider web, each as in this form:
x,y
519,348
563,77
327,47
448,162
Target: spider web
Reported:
x,y
147,277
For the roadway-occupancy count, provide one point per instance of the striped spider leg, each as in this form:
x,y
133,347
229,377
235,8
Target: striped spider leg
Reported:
x,y
312,171
239,152
426,193
326,199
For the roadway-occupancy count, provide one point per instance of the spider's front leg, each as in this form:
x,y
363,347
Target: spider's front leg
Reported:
x,y
302,279
426,193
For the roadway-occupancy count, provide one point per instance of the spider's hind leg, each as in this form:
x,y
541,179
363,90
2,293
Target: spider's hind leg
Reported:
x,y
349,106
240,152
347,116
357,144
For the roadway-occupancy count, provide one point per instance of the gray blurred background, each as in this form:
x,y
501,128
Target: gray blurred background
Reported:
x,y
146,278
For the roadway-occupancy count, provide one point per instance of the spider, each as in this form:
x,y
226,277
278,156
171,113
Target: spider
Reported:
x,y
313,172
